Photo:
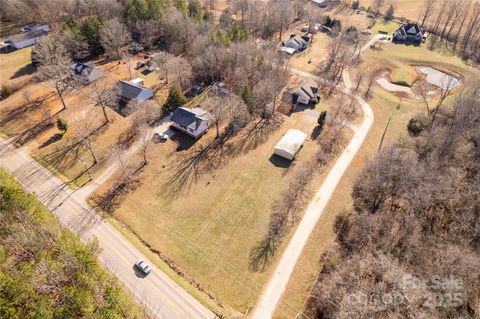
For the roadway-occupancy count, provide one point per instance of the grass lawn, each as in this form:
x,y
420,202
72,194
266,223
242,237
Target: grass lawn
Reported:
x,y
209,230
386,26
316,52
14,65
385,105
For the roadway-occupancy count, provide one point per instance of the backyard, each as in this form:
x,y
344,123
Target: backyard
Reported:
x,y
208,230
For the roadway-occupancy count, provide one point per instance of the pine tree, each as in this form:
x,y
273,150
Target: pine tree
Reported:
x,y
175,99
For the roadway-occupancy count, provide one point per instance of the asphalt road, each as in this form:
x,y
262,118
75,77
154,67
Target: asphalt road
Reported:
x,y
278,281
157,292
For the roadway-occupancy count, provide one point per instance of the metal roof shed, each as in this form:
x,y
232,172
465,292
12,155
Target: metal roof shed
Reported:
x,y
290,144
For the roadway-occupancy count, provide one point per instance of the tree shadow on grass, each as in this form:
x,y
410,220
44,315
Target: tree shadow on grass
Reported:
x,y
26,69
54,138
262,254
316,132
21,109
111,199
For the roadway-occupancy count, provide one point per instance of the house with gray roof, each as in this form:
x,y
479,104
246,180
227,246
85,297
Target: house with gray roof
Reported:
x,y
85,72
408,33
305,94
131,91
296,43
26,39
151,65
194,122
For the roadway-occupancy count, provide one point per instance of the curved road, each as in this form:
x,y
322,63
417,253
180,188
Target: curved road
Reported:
x,y
284,269
157,292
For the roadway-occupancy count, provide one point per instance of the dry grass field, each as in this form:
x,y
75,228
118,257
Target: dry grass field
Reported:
x,y
409,9
14,65
209,229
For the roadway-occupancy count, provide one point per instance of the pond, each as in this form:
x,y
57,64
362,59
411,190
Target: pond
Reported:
x,y
439,78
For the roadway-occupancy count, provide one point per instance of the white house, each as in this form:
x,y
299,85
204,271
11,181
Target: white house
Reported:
x,y
23,40
194,122
290,144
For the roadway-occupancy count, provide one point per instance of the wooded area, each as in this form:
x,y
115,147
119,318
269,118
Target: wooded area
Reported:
x,y
45,270
410,247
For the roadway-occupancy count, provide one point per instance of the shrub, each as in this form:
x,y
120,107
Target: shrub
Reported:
x,y
62,125
7,90
321,118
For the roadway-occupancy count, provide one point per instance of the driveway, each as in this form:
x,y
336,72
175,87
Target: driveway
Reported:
x,y
284,269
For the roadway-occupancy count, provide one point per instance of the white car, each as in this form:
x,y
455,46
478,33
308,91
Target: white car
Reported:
x,y
143,266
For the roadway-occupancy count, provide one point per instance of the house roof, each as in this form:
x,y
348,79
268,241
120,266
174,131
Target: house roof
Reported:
x,y
297,40
307,89
26,36
80,68
130,90
288,50
290,143
189,117
410,29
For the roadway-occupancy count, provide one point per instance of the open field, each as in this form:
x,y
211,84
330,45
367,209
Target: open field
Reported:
x,y
385,105
209,230
14,65
409,9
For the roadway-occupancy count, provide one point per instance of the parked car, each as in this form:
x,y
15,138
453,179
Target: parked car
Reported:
x,y
160,137
143,266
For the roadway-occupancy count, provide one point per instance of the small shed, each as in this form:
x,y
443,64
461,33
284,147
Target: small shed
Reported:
x,y
290,144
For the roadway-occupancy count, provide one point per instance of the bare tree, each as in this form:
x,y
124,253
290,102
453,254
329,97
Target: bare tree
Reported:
x,y
281,14
166,62
240,5
54,65
371,80
114,36
377,7
427,10
83,132
145,139
103,95
183,71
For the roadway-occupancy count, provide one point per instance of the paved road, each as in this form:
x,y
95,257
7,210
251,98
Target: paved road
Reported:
x,y
284,269
157,291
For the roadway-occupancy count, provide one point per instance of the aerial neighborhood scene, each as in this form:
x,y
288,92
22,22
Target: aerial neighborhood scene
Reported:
x,y
170,159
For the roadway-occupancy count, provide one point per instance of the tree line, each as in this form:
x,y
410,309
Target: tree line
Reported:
x,y
46,271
